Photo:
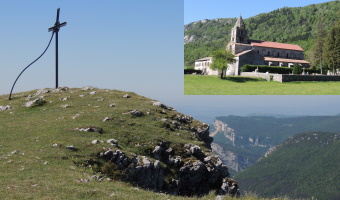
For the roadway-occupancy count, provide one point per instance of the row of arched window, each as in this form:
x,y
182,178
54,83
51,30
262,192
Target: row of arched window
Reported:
x,y
276,54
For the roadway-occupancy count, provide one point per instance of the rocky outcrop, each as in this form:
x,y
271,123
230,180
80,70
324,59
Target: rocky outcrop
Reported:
x,y
194,173
189,38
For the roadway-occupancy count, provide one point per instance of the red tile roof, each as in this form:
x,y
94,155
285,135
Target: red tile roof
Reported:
x,y
271,59
276,45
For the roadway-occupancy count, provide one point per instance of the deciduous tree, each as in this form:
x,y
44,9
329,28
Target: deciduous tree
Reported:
x,y
220,60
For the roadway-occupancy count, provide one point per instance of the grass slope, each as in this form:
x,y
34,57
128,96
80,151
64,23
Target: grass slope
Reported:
x,y
304,166
213,85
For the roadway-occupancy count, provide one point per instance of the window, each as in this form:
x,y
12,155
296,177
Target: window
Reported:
x,y
268,53
287,55
278,54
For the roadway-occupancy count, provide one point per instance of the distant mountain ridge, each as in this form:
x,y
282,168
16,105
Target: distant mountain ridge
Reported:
x,y
303,166
296,25
241,141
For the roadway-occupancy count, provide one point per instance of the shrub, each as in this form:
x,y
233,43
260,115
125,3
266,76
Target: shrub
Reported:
x,y
191,71
265,68
297,69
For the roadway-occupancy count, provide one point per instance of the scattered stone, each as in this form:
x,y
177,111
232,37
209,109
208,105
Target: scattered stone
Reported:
x,y
101,99
87,88
90,129
113,142
15,152
97,178
106,119
81,95
112,105
95,141
34,103
159,104
42,91
136,113
64,99
83,180
163,112
2,108
59,89
65,106
45,163
126,96
71,147
74,117
93,93
55,145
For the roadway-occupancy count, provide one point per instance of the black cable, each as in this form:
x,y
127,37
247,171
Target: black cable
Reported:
x,y
10,95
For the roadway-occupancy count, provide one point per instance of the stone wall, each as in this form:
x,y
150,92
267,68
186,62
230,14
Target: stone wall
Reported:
x,y
289,78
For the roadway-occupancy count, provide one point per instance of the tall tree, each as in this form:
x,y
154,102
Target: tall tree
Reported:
x,y
317,51
220,60
332,47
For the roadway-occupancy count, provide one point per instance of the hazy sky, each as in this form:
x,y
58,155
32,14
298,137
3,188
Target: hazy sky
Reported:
x,y
128,45
195,10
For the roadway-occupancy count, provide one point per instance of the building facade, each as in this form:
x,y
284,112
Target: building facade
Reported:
x,y
256,52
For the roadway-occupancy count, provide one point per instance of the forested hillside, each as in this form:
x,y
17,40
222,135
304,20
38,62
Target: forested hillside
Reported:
x,y
296,25
304,166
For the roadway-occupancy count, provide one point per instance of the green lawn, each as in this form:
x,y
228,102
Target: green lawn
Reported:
x,y
213,85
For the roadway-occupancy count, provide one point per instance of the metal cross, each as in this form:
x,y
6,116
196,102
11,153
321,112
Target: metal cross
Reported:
x,y
55,29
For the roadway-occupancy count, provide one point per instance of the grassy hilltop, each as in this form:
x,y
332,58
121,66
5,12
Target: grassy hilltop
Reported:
x,y
51,150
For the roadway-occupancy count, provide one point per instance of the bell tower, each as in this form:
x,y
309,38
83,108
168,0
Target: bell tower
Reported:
x,y
239,33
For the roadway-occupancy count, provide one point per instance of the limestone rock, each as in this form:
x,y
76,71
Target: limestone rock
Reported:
x,y
159,104
117,157
148,174
87,88
113,142
90,129
112,105
126,96
61,89
34,103
42,91
2,108
95,141
106,119
136,113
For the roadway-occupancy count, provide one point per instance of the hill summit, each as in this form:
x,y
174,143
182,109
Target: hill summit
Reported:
x,y
72,143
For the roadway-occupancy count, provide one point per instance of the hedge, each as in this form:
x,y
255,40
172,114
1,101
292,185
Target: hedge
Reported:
x,y
191,71
265,68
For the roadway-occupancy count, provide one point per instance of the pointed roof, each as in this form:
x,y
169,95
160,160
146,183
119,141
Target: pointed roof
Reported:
x,y
240,23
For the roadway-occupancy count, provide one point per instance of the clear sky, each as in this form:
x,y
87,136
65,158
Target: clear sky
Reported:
x,y
128,45
195,10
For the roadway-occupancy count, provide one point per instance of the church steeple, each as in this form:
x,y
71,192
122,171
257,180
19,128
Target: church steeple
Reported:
x,y
239,33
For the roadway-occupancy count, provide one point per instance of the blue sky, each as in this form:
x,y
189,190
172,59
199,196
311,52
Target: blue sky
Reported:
x,y
195,10
129,45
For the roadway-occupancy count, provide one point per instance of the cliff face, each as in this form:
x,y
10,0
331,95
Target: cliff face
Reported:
x,y
242,141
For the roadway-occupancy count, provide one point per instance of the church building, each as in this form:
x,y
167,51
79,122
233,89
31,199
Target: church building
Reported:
x,y
256,52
